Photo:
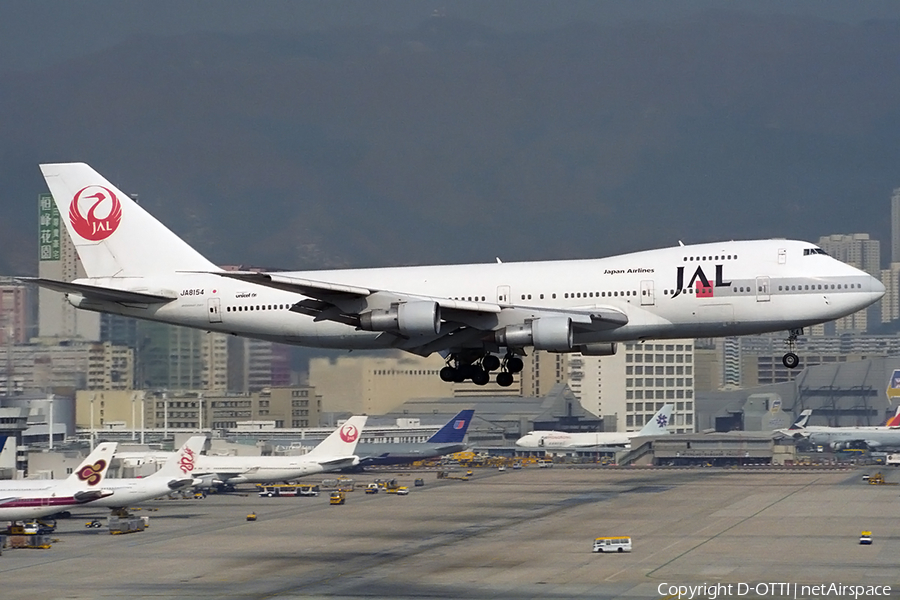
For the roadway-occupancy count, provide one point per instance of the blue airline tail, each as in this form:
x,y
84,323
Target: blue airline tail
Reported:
x,y
455,429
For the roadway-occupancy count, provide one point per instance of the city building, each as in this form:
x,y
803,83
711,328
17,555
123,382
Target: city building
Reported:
x,y
17,311
630,386
376,385
43,367
181,358
58,260
130,410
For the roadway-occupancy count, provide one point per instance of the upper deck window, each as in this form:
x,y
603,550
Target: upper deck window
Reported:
x,y
809,251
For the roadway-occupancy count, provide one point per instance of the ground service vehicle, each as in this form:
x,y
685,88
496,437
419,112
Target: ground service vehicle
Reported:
x,y
337,497
612,544
309,490
402,491
865,538
372,488
419,482
278,489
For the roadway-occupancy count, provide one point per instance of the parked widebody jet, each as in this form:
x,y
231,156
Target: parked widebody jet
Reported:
x,y
481,317
449,439
22,499
335,452
657,425
175,474
883,436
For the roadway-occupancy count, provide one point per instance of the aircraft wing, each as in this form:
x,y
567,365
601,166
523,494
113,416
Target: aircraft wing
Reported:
x,y
98,293
462,321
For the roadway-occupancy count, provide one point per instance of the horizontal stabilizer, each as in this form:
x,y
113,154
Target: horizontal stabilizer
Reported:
x,y
94,292
177,484
339,463
91,495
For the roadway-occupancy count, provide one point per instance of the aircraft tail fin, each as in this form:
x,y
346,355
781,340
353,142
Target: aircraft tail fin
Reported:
x,y
800,423
659,423
341,442
181,463
113,235
455,429
895,420
92,470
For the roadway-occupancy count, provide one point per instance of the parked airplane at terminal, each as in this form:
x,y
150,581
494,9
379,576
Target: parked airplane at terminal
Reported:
x,y
334,453
472,314
447,440
23,499
657,425
844,437
175,474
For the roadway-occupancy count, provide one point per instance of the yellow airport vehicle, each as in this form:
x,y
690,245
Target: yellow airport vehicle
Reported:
x,y
865,538
251,516
372,488
878,479
337,497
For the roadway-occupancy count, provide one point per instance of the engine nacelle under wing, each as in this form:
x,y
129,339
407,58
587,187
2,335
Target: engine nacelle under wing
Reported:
x,y
546,333
409,318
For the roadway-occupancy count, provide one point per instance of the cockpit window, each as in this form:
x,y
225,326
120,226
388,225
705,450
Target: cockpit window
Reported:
x,y
809,251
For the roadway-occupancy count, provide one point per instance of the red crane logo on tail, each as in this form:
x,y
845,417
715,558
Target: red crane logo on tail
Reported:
x,y
349,433
92,226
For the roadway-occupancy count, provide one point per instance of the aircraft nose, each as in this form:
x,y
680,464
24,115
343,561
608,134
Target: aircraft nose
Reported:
x,y
876,287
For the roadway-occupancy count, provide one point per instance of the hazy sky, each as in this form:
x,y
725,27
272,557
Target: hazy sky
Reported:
x,y
35,33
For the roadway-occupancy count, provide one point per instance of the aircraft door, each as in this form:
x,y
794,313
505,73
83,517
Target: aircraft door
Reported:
x,y
215,310
762,289
647,296
503,294
782,256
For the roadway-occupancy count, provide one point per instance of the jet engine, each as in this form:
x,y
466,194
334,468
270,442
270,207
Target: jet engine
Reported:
x,y
546,333
409,318
597,349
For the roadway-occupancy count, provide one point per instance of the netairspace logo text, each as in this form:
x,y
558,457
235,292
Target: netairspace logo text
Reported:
x,y
774,590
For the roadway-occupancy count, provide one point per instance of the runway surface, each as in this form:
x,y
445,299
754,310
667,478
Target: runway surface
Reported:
x,y
512,535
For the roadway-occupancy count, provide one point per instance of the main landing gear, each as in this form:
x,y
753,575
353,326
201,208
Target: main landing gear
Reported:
x,y
791,360
477,367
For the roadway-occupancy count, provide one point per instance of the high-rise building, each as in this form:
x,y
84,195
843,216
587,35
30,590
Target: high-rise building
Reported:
x,y
180,358
376,385
636,381
254,365
58,260
16,311
895,226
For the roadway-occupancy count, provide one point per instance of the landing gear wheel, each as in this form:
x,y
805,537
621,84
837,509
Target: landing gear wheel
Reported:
x,y
448,374
514,364
504,379
480,377
790,360
490,362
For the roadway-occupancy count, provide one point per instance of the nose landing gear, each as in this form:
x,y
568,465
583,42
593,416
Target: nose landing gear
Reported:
x,y
790,360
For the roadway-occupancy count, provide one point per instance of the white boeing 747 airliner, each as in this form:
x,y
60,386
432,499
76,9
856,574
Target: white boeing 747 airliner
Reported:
x,y
472,314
